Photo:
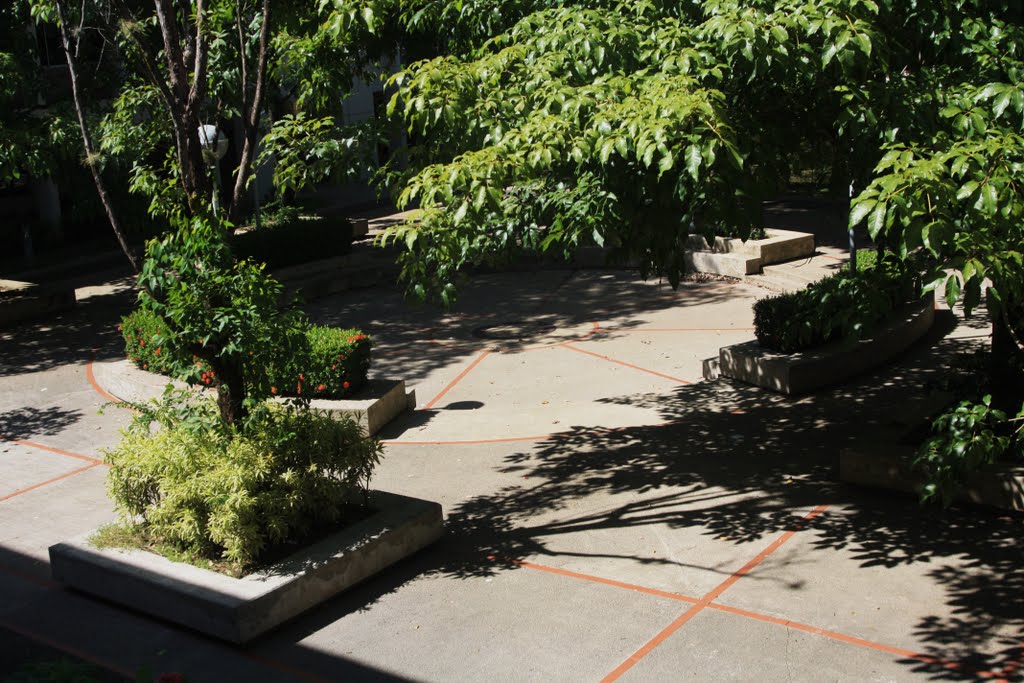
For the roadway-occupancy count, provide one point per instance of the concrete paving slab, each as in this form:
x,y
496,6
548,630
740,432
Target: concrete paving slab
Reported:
x,y
899,575
516,624
32,521
716,646
25,468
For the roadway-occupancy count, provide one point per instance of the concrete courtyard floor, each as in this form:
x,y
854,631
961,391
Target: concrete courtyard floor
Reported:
x,y
610,515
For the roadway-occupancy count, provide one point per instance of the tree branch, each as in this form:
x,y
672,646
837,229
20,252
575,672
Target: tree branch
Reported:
x,y
91,157
251,119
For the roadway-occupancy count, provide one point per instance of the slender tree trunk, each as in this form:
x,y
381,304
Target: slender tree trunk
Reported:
x,y
251,118
91,157
187,96
230,392
1007,365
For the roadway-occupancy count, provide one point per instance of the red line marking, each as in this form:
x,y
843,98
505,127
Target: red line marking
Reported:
x,y
628,365
455,381
285,668
38,580
834,635
511,439
48,481
707,599
73,651
91,376
609,582
639,330
32,444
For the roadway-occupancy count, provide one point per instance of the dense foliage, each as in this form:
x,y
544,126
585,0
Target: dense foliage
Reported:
x,y
217,314
330,362
846,306
223,493
294,239
967,438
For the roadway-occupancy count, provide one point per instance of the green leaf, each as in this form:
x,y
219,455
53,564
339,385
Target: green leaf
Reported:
x,y
952,290
693,161
876,223
860,211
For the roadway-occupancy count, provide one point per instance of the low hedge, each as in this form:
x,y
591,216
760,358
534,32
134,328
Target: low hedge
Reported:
x,y
334,364
297,240
843,306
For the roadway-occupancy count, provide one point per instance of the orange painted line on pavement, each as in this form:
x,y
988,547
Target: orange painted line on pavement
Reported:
x,y
609,582
451,385
38,580
47,482
67,649
511,439
32,444
708,599
623,363
285,668
639,330
91,376
834,635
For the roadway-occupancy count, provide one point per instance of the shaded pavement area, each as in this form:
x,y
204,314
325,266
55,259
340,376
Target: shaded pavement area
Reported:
x,y
609,514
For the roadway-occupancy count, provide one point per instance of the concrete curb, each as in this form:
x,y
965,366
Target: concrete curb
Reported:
x,y
805,371
238,610
891,467
374,405
736,258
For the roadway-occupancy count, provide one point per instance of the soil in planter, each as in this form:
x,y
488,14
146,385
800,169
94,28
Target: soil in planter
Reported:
x,y
135,537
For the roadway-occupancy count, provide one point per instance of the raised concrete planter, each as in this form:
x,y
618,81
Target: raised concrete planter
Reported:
x,y
373,406
326,277
376,404
238,610
804,371
24,300
736,258
891,467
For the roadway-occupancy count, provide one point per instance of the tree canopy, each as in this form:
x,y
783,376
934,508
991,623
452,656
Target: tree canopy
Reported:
x,y
632,124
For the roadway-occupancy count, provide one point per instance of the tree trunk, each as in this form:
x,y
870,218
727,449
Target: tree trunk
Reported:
x,y
230,392
251,118
1007,365
91,157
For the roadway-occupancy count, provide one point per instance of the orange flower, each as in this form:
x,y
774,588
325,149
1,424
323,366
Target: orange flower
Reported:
x,y
273,390
321,387
344,385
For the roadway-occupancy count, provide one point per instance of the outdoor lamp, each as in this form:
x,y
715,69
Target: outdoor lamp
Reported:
x,y
215,146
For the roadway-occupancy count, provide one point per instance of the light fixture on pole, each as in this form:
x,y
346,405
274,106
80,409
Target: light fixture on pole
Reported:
x,y
215,146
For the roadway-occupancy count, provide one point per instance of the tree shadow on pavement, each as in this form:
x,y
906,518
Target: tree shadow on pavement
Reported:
x,y
77,336
29,422
736,464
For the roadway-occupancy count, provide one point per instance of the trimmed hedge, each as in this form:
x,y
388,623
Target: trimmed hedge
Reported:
x,y
298,240
843,306
334,364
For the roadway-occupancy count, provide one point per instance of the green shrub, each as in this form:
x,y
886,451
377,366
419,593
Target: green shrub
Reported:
x,y
333,363
140,329
221,492
295,240
964,440
843,306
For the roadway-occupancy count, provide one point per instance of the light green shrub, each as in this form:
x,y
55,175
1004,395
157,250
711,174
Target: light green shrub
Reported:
x,y
187,479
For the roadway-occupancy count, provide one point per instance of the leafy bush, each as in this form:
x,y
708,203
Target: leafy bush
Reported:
x,y
221,492
332,363
295,240
843,306
964,440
